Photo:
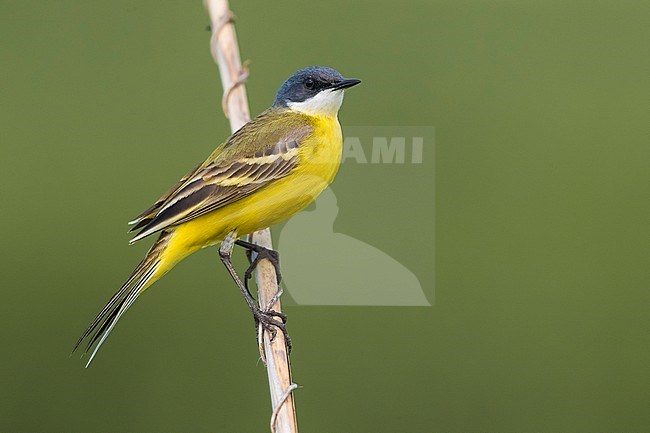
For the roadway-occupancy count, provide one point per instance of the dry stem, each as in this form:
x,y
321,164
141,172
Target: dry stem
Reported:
x,y
225,51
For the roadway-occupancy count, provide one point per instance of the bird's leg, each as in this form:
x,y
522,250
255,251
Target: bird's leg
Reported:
x,y
247,274
265,317
261,254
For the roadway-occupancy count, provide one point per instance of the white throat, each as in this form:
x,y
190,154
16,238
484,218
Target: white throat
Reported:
x,y
325,103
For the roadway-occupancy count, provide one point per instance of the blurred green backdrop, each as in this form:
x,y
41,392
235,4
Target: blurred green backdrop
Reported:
x,y
540,321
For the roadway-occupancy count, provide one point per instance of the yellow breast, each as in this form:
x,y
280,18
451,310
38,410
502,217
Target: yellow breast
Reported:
x,y
320,153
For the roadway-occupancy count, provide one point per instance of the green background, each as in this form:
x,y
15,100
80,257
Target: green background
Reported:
x,y
540,321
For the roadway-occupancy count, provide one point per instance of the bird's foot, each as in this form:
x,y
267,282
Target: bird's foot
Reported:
x,y
261,254
267,320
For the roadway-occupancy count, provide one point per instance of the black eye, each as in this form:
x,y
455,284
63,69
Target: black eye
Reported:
x,y
310,83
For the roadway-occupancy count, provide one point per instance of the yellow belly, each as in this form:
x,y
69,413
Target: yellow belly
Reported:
x,y
319,159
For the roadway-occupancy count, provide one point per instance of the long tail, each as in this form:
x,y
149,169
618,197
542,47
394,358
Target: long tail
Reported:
x,y
147,272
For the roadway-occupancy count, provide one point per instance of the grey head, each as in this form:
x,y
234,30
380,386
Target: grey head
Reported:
x,y
308,83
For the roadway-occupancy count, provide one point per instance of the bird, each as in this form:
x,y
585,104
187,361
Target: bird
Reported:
x,y
268,170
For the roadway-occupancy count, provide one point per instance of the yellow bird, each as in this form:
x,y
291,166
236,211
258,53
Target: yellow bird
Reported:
x,y
271,168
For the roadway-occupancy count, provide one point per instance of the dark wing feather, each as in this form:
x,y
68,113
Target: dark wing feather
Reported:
x,y
147,215
233,174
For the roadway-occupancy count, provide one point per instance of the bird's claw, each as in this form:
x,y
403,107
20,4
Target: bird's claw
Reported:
x,y
261,253
267,320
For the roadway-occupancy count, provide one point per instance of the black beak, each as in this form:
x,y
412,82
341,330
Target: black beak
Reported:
x,y
349,82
